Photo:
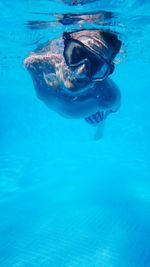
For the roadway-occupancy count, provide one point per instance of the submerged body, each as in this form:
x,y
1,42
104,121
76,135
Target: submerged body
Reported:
x,y
64,91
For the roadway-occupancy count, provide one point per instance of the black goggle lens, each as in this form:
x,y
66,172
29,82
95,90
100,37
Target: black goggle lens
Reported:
x,y
74,53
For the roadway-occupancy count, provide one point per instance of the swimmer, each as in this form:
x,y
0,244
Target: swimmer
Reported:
x,y
70,75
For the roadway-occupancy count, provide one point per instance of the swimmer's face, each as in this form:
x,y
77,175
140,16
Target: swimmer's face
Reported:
x,y
87,60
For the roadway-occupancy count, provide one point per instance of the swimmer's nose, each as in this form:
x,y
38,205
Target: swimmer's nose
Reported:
x,y
80,72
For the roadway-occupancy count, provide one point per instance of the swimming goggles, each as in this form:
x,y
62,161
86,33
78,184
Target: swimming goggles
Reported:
x,y
77,54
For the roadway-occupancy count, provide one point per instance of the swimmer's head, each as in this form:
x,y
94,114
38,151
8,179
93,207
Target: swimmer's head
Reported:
x,y
91,51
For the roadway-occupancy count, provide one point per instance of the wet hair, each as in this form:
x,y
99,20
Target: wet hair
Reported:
x,y
99,41
111,40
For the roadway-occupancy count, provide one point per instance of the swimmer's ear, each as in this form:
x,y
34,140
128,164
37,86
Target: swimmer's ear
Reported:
x,y
99,131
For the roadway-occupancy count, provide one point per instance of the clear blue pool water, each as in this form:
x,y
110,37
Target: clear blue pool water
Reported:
x,y
65,200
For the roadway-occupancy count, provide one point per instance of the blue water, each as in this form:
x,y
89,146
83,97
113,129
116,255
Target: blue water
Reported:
x,y
65,200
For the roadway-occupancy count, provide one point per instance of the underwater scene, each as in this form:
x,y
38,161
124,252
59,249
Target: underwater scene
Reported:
x,y
74,133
